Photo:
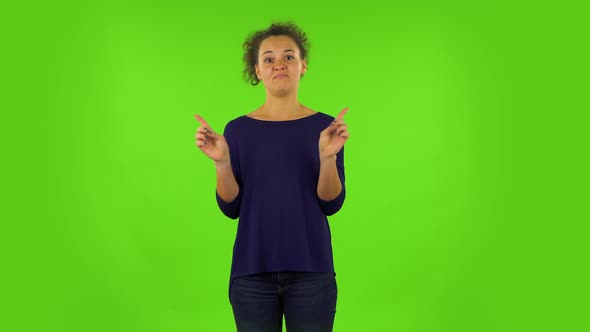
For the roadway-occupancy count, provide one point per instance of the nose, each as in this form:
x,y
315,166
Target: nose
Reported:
x,y
279,66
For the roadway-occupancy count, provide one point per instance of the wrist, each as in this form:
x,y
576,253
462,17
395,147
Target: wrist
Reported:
x,y
222,163
327,159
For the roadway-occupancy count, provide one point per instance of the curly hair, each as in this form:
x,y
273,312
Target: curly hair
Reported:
x,y
253,41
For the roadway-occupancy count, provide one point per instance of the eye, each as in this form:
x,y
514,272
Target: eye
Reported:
x,y
290,57
267,60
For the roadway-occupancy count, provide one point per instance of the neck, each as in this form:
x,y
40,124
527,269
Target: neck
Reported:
x,y
281,108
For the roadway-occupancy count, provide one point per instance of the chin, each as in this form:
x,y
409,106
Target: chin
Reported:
x,y
280,92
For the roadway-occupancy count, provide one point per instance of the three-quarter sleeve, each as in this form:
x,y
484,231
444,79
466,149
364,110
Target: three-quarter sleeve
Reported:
x,y
231,209
332,206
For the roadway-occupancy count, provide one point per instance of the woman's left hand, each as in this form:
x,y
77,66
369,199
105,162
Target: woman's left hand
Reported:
x,y
332,139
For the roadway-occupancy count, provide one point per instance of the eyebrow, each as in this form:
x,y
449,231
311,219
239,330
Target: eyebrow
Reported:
x,y
287,50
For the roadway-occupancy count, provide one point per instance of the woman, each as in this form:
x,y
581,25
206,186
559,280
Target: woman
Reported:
x,y
280,169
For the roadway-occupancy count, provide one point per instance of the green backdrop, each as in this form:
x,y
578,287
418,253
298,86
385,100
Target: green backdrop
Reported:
x,y
465,172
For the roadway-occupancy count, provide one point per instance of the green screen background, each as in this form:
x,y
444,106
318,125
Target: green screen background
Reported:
x,y
465,171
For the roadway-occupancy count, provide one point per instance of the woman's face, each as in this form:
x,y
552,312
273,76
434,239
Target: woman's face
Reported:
x,y
279,64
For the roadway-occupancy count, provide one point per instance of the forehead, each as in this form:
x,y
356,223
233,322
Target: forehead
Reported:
x,y
277,44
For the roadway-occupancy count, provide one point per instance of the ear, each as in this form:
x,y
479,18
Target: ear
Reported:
x,y
303,67
257,72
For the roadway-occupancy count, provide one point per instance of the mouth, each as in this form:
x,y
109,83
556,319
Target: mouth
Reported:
x,y
281,76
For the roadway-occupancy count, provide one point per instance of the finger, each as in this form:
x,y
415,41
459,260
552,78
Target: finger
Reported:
x,y
208,133
342,133
337,128
332,127
204,123
205,131
201,120
342,128
201,136
329,129
341,114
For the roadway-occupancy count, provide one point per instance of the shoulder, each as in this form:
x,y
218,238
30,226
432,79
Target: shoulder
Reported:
x,y
235,124
325,116
324,119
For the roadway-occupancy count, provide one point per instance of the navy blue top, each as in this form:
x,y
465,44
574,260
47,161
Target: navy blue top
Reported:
x,y
283,224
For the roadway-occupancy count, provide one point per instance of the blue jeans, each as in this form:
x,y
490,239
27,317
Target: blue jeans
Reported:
x,y
307,299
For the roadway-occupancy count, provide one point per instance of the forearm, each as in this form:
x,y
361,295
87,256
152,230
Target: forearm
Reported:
x,y
227,187
329,185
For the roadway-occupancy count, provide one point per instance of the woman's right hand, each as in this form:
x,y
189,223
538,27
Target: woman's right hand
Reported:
x,y
212,144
